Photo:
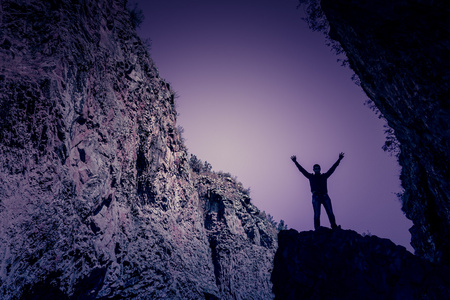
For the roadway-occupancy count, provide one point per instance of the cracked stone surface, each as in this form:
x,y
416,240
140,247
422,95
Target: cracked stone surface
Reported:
x,y
97,198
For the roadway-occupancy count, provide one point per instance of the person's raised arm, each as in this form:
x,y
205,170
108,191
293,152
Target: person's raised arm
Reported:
x,y
331,170
300,168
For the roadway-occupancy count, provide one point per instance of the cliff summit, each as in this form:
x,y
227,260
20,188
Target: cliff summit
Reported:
x,y
341,264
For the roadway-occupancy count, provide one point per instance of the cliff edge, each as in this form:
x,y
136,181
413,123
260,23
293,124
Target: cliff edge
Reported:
x,y
341,264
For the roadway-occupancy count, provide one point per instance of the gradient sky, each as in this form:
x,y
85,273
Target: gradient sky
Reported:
x,y
256,86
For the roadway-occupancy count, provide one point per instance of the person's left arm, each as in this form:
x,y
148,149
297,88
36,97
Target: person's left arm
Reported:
x,y
331,170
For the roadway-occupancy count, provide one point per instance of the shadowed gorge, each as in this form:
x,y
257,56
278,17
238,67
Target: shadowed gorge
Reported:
x,y
100,198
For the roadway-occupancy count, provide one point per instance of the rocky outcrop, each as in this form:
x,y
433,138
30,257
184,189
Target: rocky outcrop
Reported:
x,y
341,264
97,197
399,49
231,222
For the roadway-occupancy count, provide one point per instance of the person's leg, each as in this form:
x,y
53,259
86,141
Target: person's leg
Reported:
x,y
316,206
328,208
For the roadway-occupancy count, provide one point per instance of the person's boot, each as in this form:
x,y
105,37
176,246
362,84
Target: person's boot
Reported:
x,y
334,226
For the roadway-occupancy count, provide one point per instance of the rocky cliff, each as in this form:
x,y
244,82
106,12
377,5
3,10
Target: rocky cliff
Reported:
x,y
399,49
97,196
341,264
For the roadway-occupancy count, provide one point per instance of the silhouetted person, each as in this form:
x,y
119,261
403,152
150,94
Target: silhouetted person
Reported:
x,y
318,183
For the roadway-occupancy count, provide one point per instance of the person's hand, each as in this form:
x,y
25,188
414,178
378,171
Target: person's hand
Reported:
x,y
294,158
341,155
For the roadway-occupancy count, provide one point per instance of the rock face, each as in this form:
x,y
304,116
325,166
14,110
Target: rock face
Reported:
x,y
341,264
242,242
399,49
97,197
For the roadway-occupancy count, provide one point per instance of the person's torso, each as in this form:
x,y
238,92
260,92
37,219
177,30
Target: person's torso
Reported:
x,y
318,184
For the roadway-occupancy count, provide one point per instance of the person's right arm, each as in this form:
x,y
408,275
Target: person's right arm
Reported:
x,y
299,167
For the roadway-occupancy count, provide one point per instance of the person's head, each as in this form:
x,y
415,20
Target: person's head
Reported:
x,y
316,169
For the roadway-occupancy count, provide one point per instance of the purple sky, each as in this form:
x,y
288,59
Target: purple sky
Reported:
x,y
256,86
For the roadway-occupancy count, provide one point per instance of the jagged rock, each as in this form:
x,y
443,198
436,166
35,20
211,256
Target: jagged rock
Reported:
x,y
231,221
341,264
399,49
97,198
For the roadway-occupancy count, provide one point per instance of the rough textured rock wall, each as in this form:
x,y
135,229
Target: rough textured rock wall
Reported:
x,y
97,199
399,49
231,222
341,264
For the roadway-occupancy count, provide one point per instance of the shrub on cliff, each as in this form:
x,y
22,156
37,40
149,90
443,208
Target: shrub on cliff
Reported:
x,y
136,15
279,226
